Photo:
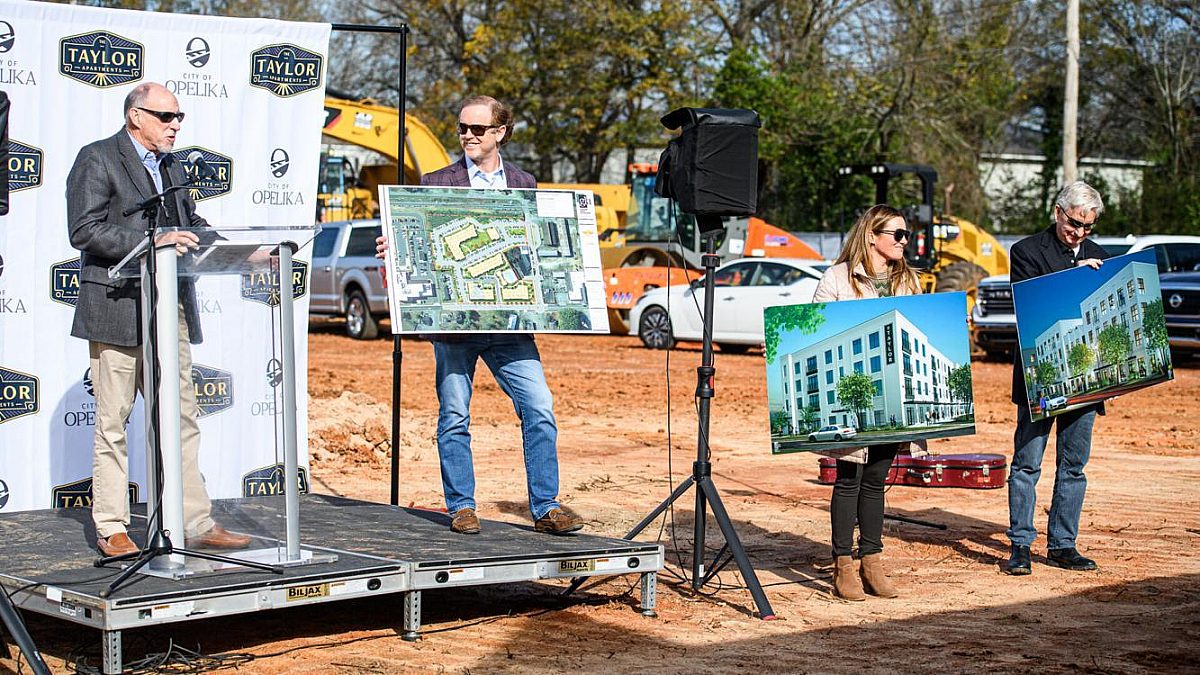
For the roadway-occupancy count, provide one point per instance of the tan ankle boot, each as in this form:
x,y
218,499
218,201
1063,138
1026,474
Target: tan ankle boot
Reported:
x,y
846,584
874,579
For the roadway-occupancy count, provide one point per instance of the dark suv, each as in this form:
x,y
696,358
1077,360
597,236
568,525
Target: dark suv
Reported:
x,y
1181,306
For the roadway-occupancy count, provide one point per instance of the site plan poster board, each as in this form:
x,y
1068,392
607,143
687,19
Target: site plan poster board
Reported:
x,y
463,260
863,372
1087,335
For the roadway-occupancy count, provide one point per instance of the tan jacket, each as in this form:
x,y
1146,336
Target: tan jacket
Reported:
x,y
834,286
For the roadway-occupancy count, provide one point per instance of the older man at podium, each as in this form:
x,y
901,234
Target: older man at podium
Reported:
x,y
110,176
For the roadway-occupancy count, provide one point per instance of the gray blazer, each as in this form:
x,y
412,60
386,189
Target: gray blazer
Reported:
x,y
107,178
455,175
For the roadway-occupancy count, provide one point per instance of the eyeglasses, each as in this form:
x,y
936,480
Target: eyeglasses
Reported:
x,y
899,234
1086,227
477,130
164,117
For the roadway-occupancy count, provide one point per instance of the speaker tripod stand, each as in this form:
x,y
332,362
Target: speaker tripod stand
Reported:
x,y
707,495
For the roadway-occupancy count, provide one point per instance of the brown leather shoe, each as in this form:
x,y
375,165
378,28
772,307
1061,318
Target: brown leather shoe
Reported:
x,y
874,579
558,521
846,583
117,544
218,537
465,521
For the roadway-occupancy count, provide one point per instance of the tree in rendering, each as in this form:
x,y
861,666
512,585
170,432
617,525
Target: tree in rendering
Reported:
x,y
960,385
1115,346
1155,327
778,320
1080,359
855,391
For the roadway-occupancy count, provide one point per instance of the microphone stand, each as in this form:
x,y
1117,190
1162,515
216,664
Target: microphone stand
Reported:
x,y
158,541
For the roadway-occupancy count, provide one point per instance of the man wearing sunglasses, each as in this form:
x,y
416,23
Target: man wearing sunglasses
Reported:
x,y
108,177
1061,246
484,126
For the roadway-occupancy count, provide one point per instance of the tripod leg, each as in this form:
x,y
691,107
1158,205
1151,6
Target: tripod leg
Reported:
x,y
127,573
683,487
16,628
739,554
915,521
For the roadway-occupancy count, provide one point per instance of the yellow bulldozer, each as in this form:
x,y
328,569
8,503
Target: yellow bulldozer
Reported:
x,y
348,191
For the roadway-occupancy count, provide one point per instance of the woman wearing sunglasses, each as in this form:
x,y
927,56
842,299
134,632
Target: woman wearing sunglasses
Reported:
x,y
871,265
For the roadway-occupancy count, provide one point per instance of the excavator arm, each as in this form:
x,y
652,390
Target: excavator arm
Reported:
x,y
375,127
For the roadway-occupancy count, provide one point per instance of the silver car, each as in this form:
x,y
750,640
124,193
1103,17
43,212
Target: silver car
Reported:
x,y
832,432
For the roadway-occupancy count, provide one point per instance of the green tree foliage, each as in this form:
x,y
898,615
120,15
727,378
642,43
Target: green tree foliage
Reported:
x,y
779,421
856,391
1155,326
778,320
807,419
1115,344
959,383
1080,359
1045,373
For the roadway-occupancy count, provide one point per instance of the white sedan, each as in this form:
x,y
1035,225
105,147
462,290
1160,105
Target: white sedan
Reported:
x,y
832,432
742,289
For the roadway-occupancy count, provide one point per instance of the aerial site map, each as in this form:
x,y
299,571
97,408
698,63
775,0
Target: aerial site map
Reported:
x,y
462,260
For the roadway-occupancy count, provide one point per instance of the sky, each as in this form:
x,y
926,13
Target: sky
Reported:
x,y
1042,301
941,316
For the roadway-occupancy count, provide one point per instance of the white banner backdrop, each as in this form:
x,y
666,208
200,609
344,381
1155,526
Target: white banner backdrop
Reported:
x,y
253,92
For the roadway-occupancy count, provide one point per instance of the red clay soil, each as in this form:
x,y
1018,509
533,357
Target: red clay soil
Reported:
x,y
957,613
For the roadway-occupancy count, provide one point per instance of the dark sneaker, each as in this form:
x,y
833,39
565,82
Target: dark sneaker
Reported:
x,y
557,521
1069,559
465,521
1018,563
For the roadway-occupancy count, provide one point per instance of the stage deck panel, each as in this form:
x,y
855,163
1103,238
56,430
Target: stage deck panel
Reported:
x,y
55,548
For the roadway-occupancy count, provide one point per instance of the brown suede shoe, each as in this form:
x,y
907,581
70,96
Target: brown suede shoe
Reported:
x,y
846,583
558,521
874,579
218,537
117,544
465,521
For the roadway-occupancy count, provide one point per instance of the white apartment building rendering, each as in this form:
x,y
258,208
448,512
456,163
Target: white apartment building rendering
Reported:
x,y
910,375
1120,301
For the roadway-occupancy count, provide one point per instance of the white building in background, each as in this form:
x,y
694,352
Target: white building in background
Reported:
x,y
911,376
1120,301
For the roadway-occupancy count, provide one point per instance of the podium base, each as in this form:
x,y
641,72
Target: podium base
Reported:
x,y
264,556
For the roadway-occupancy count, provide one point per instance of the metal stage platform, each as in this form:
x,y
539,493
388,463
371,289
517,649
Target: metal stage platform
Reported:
x,y
46,564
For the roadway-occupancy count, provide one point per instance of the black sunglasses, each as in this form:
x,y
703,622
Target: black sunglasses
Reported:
x,y
164,117
478,130
899,234
1086,227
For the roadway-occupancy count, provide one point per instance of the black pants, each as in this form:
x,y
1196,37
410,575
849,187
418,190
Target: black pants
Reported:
x,y
858,497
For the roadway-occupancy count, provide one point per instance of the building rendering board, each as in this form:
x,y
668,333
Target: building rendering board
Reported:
x,y
1086,335
463,260
863,372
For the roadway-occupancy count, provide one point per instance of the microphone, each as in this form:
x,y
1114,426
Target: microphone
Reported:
x,y
204,170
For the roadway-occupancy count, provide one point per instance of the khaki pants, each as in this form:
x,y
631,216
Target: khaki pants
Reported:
x,y
116,378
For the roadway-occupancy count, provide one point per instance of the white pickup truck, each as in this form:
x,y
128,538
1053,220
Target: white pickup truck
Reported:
x,y
346,277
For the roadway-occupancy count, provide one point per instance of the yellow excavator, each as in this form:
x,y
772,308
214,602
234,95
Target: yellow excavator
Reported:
x,y
347,191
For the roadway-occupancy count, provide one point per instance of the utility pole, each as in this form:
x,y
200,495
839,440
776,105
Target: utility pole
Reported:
x,y
1071,96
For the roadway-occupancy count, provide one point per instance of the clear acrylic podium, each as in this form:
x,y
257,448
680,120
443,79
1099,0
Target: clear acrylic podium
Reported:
x,y
222,251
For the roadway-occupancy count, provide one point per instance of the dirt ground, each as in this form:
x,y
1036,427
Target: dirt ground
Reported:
x,y
1139,613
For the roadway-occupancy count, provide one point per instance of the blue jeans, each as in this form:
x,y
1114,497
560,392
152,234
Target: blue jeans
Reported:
x,y
514,362
1073,446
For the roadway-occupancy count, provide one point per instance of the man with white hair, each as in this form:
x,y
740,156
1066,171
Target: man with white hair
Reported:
x,y
1062,246
110,176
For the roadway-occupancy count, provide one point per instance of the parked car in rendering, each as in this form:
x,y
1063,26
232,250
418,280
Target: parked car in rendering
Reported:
x,y
743,288
1056,402
994,325
1181,308
832,432
346,276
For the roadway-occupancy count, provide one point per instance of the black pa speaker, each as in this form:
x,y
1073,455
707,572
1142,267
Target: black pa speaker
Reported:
x,y
711,169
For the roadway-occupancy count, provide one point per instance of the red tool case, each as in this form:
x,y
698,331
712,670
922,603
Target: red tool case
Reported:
x,y
978,471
